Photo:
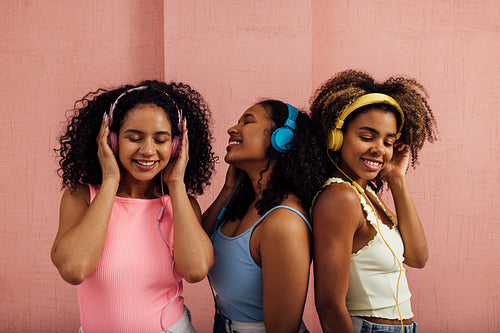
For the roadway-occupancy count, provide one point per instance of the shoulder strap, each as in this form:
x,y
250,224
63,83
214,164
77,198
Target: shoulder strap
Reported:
x,y
286,207
331,180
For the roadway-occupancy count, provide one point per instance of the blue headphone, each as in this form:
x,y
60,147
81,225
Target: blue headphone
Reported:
x,y
282,137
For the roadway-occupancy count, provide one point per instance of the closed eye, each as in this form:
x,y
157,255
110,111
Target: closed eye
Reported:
x,y
161,141
134,139
246,119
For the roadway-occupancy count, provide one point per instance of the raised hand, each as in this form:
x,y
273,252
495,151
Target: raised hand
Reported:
x,y
175,169
107,159
398,165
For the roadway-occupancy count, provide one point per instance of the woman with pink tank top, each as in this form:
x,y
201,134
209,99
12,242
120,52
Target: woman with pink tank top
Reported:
x,y
130,173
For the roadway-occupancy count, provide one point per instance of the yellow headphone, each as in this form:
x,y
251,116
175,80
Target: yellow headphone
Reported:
x,y
336,137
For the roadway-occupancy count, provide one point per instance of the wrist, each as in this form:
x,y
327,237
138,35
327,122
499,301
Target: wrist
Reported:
x,y
111,181
174,185
395,181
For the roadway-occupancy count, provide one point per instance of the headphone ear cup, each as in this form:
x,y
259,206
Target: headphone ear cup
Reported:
x,y
335,139
176,147
281,139
113,142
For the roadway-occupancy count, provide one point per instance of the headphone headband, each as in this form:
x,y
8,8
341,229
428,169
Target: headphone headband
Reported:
x,y
113,106
292,116
113,139
369,99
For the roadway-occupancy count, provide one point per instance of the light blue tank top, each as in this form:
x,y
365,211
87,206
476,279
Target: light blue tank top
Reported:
x,y
236,277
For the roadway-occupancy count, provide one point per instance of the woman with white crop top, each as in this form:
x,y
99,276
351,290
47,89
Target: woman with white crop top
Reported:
x,y
371,131
262,242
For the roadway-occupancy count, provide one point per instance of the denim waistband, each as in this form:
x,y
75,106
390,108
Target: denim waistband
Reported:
x,y
365,326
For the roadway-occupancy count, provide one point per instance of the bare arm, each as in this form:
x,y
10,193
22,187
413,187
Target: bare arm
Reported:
x,y
336,217
83,227
193,252
285,247
416,252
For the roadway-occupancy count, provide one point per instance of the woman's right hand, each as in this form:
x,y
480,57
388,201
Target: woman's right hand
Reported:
x,y
107,159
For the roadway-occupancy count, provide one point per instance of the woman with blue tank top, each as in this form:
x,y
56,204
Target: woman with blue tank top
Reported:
x,y
262,241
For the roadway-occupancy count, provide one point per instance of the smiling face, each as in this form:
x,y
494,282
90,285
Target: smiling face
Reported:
x,y
250,139
144,142
368,144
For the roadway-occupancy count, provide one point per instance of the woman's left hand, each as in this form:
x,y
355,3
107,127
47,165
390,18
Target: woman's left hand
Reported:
x,y
176,167
398,165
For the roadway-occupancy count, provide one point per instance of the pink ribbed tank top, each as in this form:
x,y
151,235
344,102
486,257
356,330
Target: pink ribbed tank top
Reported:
x,y
133,281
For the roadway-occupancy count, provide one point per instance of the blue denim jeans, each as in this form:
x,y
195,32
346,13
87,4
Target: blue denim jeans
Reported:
x,y
364,326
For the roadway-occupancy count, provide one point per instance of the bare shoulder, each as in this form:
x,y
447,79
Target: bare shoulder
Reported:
x,y
286,222
79,194
74,204
337,203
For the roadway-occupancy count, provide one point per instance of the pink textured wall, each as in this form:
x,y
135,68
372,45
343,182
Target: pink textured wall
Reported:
x,y
49,57
234,52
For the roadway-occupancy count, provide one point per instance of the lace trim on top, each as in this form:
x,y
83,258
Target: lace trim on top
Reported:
x,y
371,216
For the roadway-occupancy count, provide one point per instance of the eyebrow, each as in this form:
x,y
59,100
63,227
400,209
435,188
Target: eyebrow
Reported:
x,y
136,131
246,116
373,130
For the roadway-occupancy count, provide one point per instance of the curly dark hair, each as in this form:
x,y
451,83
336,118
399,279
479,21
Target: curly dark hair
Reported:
x,y
300,171
79,163
343,88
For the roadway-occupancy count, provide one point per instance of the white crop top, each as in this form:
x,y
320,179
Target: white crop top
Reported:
x,y
373,273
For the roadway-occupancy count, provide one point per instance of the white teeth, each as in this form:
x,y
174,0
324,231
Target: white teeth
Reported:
x,y
373,164
146,163
234,142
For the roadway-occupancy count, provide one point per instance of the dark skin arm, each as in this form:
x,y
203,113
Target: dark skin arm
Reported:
x,y
193,252
284,246
83,226
337,217
416,252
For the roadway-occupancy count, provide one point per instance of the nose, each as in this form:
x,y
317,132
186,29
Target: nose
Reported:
x,y
147,147
232,130
378,147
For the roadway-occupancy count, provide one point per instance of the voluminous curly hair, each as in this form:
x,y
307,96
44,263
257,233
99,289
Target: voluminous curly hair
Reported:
x,y
300,171
343,88
78,161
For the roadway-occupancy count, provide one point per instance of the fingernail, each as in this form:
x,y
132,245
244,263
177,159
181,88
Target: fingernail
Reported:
x,y
105,117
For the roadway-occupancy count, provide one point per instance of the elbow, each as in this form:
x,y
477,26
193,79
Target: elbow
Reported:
x,y
72,278
420,263
198,273
326,308
193,278
417,261
73,274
